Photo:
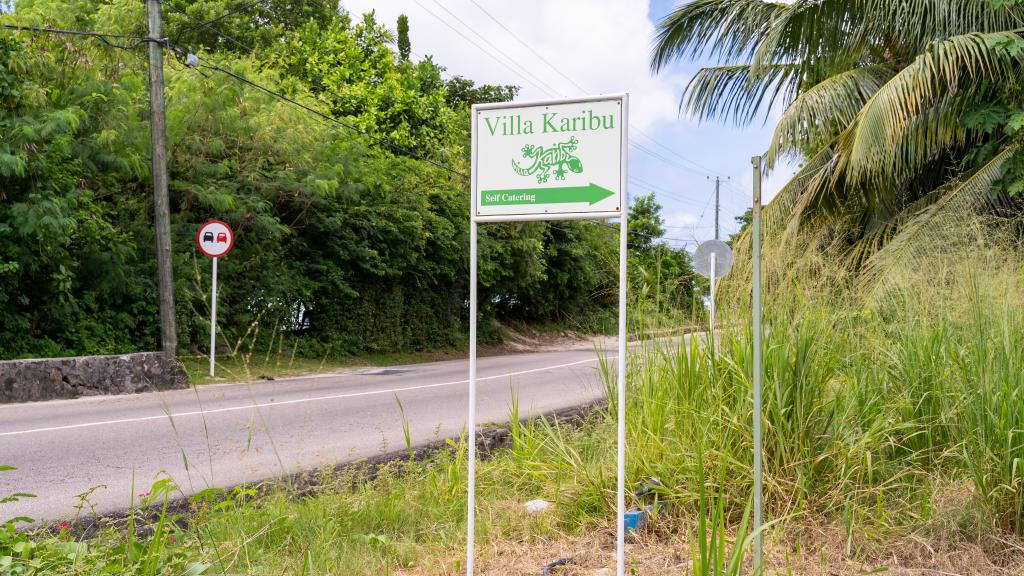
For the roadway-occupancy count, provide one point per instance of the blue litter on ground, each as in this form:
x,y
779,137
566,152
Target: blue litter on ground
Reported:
x,y
636,520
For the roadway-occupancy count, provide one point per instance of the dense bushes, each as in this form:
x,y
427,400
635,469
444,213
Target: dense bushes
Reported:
x,y
349,239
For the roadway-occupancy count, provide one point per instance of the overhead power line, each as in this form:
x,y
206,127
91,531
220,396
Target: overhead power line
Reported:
x,y
528,47
211,65
222,16
551,90
481,48
541,57
139,40
200,24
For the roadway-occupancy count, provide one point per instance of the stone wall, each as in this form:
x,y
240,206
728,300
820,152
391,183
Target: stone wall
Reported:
x,y
52,378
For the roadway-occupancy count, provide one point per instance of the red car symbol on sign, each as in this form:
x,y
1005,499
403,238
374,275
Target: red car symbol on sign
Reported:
x,y
222,237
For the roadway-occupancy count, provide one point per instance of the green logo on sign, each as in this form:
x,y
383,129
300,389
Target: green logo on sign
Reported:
x,y
557,158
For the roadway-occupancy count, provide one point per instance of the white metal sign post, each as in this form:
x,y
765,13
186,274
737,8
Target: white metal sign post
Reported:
x,y
215,239
713,260
550,160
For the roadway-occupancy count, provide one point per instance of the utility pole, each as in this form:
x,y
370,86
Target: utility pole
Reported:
x,y
161,203
718,182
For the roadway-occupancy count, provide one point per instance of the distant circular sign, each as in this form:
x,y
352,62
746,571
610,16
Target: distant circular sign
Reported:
x,y
215,239
702,258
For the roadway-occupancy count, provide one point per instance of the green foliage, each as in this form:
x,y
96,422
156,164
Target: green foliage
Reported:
x,y
39,553
236,26
348,240
464,92
661,277
353,71
404,45
893,120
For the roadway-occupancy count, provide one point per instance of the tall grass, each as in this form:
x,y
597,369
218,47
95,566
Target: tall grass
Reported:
x,y
871,407
868,407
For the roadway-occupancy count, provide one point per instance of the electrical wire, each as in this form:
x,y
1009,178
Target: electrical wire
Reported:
x,y
221,17
320,115
98,35
218,33
552,91
582,89
478,47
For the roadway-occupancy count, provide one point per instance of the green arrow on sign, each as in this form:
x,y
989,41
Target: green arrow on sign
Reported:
x,y
590,194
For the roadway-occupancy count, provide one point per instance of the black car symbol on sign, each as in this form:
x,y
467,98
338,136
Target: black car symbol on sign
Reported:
x,y
208,237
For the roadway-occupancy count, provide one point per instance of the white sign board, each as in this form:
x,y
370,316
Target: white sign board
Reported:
x,y
549,160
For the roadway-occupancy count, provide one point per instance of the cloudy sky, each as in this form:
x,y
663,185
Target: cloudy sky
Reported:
x,y
556,48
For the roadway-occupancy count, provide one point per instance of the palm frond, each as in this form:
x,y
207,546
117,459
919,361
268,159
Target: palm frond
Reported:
x,y
737,92
726,30
916,102
928,230
825,110
917,23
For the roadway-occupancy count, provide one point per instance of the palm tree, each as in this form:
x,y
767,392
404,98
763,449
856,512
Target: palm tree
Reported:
x,y
903,112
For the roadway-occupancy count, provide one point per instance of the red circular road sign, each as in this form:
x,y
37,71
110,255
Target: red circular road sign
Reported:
x,y
215,239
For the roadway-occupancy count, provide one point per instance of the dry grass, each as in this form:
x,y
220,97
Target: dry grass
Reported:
x,y
806,550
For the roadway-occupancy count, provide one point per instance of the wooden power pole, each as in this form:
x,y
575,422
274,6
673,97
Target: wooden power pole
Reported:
x,y
718,183
161,203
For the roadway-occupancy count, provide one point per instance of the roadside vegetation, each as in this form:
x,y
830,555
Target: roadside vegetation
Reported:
x,y
892,440
351,235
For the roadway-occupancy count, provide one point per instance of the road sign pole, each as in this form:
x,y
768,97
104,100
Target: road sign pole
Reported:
x,y
758,368
621,458
213,318
620,543
714,261
471,421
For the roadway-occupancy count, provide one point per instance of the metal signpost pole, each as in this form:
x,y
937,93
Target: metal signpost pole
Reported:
x,y
758,368
471,425
711,335
620,540
213,318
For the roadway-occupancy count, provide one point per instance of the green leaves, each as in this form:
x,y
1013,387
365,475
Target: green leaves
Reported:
x,y
886,101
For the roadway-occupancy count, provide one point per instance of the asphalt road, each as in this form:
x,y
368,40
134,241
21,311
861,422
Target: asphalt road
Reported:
x,y
225,435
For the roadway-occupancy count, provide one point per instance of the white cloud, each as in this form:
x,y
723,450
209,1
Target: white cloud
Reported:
x,y
603,49
680,219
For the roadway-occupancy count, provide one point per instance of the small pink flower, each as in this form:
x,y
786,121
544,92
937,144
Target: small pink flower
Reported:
x,y
63,526
143,494
172,538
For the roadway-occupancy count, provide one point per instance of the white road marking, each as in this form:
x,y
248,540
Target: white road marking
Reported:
x,y
298,401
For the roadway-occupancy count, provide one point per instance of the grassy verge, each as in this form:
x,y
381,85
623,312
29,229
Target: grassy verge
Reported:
x,y
893,440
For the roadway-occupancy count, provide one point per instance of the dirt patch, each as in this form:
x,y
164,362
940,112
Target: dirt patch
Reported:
x,y
817,551
521,339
